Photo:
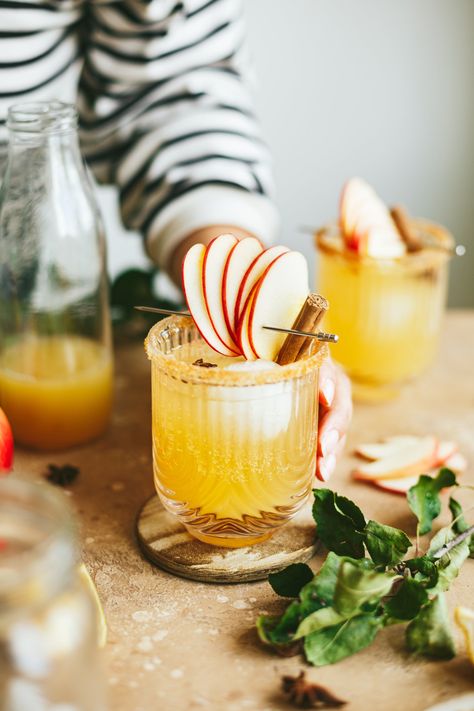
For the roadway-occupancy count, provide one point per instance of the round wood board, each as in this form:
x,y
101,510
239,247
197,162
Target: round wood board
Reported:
x,y
166,543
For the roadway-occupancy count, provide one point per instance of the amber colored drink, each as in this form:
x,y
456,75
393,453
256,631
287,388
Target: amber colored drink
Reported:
x,y
56,390
234,451
387,313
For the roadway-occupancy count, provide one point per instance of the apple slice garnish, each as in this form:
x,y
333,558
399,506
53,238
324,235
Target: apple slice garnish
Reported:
x,y
192,277
241,256
215,258
243,329
253,274
277,300
410,460
366,223
6,444
456,462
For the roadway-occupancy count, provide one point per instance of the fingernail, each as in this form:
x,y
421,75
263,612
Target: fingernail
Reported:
x,y
327,466
328,389
329,441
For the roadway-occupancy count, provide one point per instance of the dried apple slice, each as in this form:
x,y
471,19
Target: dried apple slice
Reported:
x,y
239,260
445,450
411,460
215,258
194,295
253,274
456,462
378,450
277,300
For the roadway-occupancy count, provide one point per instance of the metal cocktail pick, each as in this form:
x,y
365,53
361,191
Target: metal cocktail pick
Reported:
x,y
326,337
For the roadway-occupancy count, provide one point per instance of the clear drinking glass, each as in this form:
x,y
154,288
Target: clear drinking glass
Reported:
x,y
388,313
234,451
49,657
55,341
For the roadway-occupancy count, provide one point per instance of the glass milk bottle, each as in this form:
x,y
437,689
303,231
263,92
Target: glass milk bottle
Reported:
x,y
49,654
55,342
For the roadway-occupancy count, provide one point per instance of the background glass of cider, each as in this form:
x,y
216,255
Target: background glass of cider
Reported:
x,y
387,312
234,451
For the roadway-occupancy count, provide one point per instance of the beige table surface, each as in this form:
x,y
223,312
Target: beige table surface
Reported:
x,y
176,644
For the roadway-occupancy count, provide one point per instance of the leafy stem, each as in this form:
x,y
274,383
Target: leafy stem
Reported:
x,y
453,543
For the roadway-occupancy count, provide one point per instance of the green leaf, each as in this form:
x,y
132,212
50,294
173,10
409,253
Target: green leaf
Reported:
x,y
407,601
460,524
357,587
280,630
423,497
429,633
340,523
424,570
265,626
291,580
386,545
450,563
331,644
321,589
324,617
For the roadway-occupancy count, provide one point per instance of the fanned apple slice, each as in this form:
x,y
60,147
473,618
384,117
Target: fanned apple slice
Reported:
x,y
366,223
409,461
253,274
378,450
396,486
215,258
243,330
277,301
239,260
194,294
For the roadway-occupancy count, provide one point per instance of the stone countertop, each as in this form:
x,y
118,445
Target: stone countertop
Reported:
x,y
177,644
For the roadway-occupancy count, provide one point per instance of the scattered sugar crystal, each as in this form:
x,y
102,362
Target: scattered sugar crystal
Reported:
x,y
148,666
240,605
176,673
90,540
160,635
145,645
214,632
252,599
222,598
141,616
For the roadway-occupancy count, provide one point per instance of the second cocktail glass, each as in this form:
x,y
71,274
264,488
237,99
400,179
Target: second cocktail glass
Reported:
x,y
234,449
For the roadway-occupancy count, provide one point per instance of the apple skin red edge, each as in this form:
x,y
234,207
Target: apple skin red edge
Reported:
x,y
184,292
206,253
6,444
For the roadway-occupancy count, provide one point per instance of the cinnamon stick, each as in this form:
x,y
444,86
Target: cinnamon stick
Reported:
x,y
408,234
295,347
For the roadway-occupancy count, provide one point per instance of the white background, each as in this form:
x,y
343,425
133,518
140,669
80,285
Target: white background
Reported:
x,y
383,89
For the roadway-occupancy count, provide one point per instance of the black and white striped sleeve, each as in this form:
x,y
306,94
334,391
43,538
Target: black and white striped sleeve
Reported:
x,y
167,114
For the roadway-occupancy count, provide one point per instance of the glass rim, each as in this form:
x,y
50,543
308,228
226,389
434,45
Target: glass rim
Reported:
x,y
46,504
42,117
219,376
328,238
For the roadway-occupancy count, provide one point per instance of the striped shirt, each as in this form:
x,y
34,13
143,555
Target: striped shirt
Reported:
x,y
165,107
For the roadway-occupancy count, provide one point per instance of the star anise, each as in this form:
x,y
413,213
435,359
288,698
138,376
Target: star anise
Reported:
x,y
62,475
306,695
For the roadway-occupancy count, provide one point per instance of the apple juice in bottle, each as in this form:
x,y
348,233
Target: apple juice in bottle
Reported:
x,y
55,344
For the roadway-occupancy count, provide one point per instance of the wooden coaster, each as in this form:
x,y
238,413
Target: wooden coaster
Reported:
x,y
166,543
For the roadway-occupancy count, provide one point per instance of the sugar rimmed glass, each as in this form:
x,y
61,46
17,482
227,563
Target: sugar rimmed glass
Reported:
x,y
387,312
234,451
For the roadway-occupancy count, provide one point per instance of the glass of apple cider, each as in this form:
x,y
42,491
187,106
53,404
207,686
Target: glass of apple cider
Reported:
x,y
234,444
388,312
